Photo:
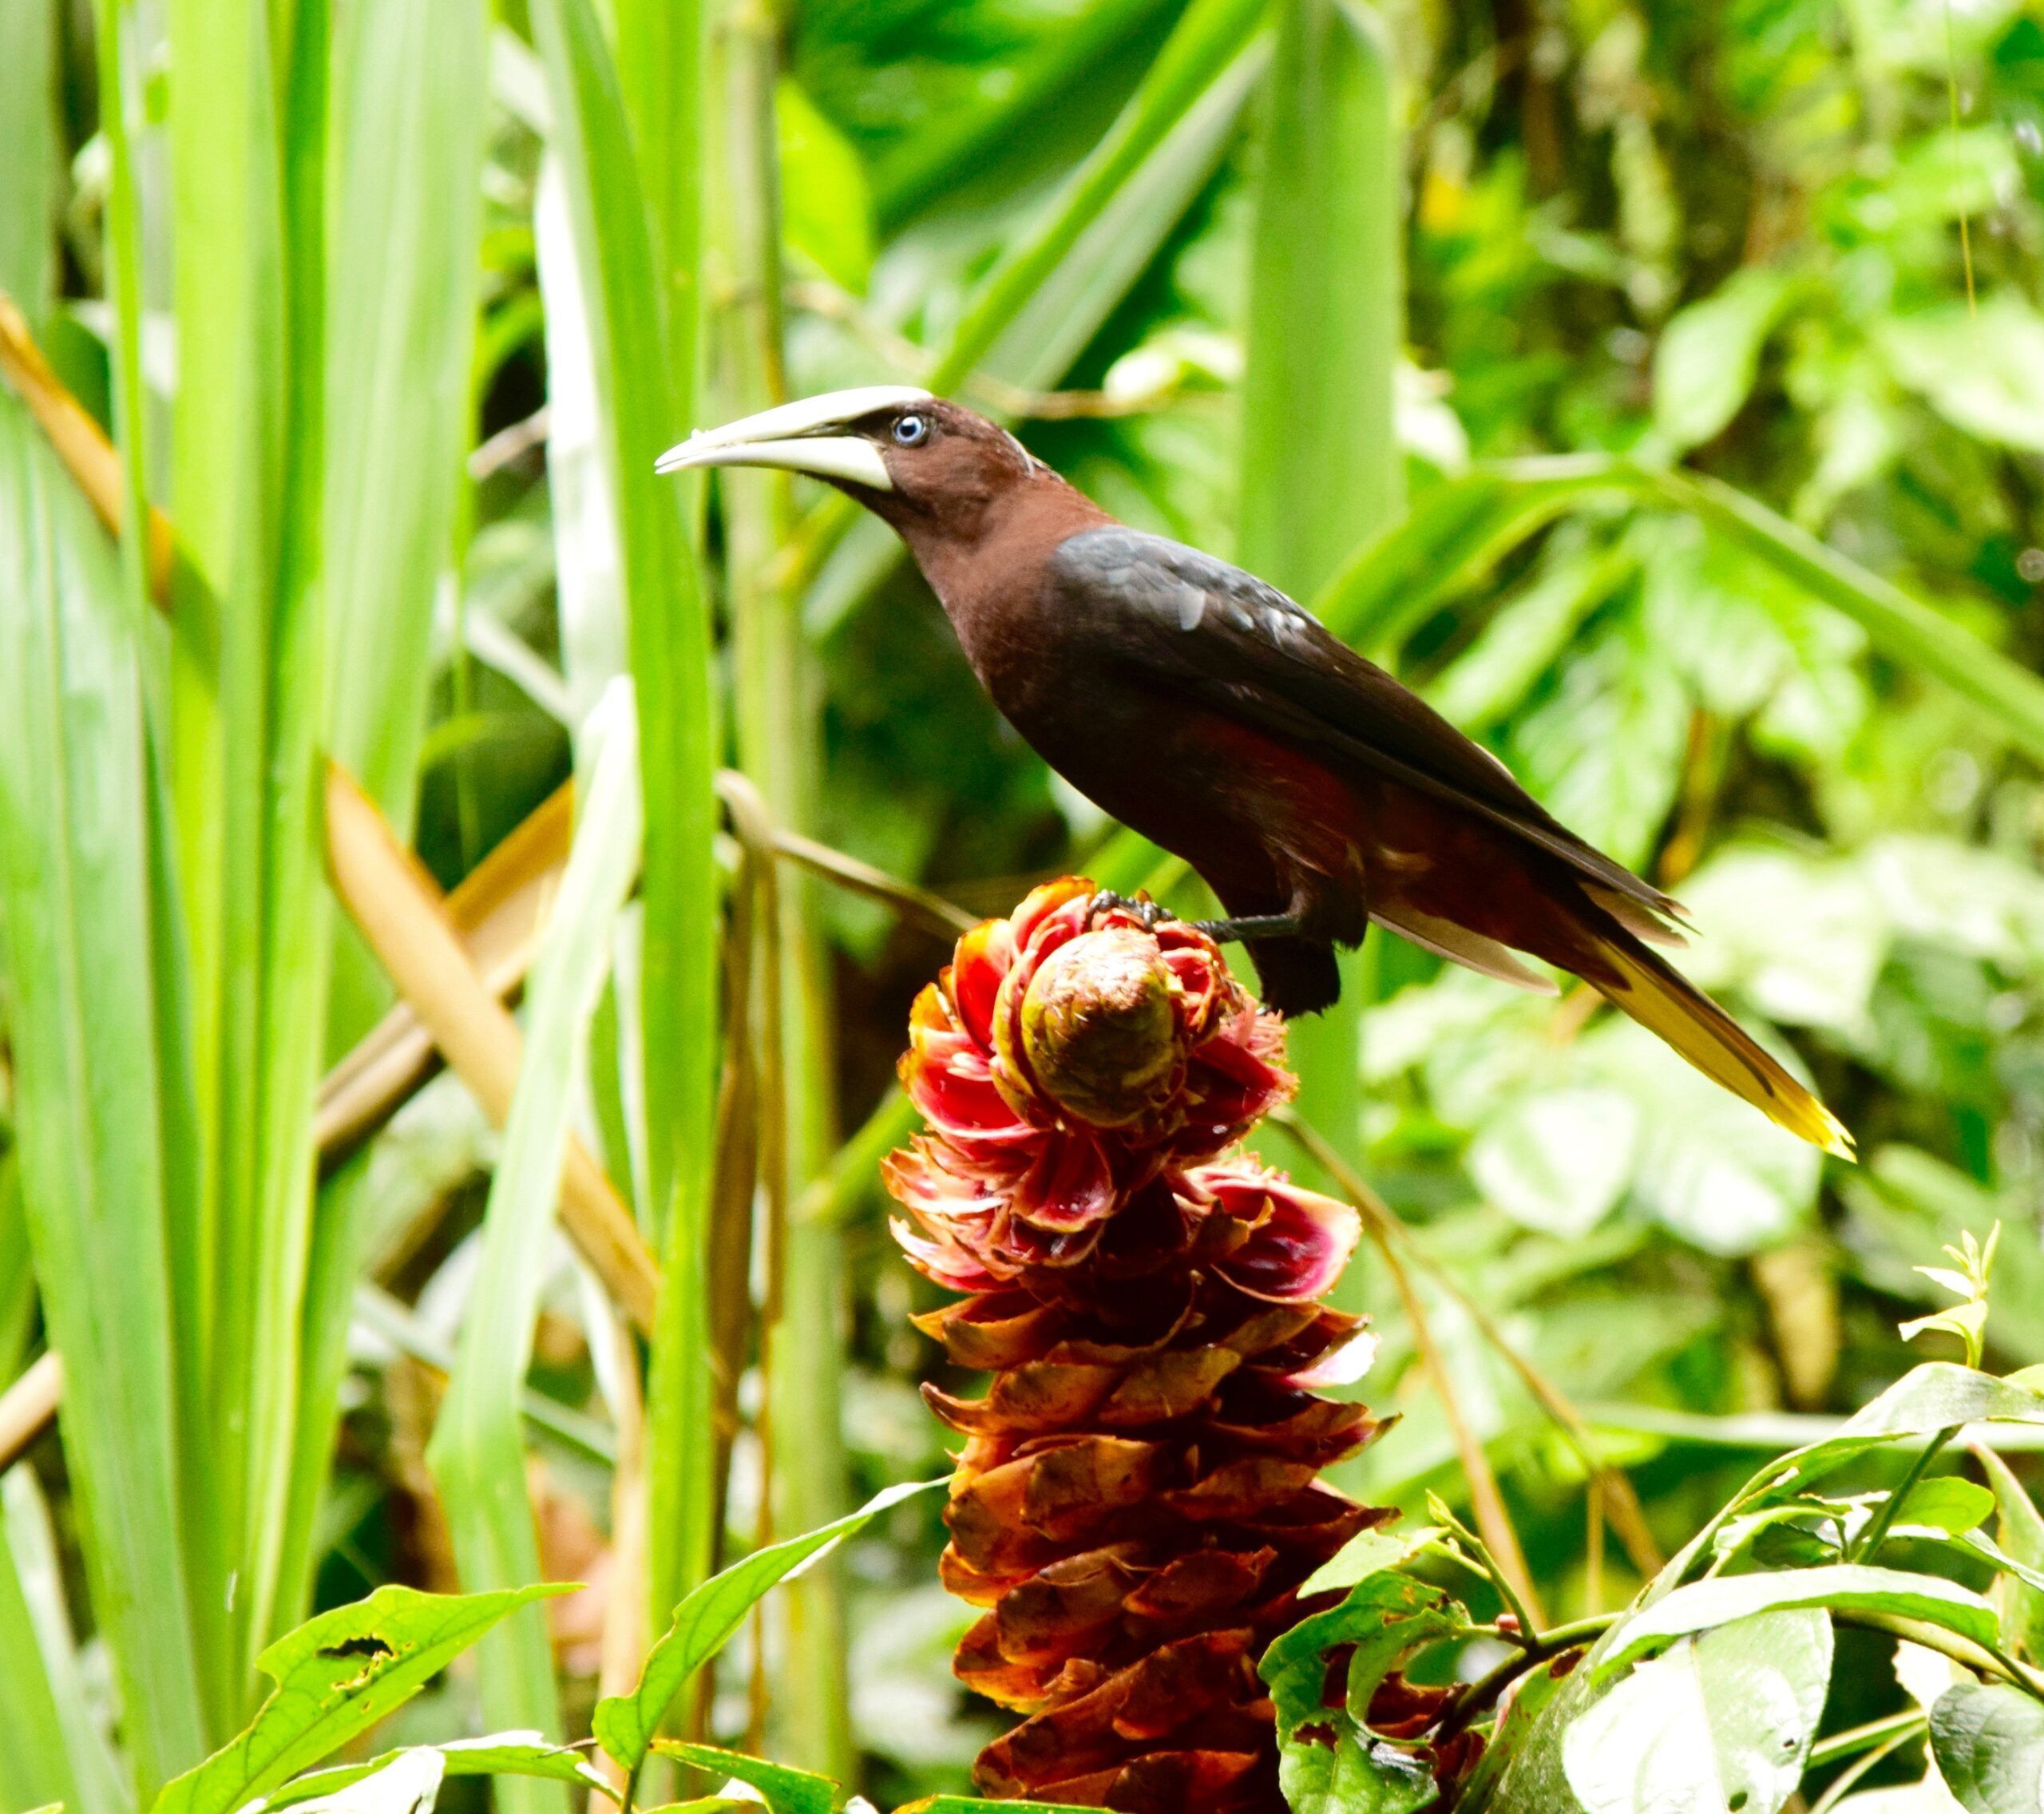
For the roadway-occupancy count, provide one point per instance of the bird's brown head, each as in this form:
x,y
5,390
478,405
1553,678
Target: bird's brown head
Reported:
x,y
929,467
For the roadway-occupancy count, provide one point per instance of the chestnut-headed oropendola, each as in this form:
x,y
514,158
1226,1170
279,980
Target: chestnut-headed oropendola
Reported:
x,y
1222,721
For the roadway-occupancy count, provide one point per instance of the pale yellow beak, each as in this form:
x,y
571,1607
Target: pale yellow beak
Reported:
x,y
798,437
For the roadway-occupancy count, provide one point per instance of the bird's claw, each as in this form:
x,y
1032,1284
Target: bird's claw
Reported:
x,y
1146,912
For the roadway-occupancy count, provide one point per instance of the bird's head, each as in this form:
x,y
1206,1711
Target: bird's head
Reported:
x,y
916,460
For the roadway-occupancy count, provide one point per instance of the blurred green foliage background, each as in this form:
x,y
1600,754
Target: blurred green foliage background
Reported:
x,y
1796,246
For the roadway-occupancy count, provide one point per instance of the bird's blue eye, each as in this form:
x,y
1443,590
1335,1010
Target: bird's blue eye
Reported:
x,y
911,430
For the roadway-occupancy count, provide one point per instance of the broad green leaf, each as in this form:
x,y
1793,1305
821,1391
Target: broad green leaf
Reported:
x,y
1982,371
2020,1530
1384,1617
498,1754
1947,1503
89,1102
625,1724
337,1675
248,693
1558,1161
1939,1395
406,1784
1722,1721
1708,355
1054,325
1050,325
406,186
787,1791
1334,1772
1370,1552
1842,1586
1988,1740
1321,469
1529,633
707,1804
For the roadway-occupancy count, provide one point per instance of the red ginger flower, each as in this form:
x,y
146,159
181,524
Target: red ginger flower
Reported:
x,y
1136,1504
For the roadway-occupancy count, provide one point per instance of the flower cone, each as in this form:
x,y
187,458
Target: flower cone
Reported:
x,y
1136,1502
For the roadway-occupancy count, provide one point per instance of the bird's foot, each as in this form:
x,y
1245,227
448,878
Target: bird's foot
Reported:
x,y
1250,926
1145,910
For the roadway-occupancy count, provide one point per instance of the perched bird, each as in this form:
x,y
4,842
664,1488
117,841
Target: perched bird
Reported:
x,y
1219,718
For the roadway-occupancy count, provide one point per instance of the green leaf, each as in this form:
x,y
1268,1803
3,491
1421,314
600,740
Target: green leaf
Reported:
x,y
707,1804
1982,371
645,396
1947,1503
476,1453
56,1746
1988,1740
90,1106
499,1754
1722,1721
1330,1771
1843,1586
1321,469
1452,537
1078,54
1384,1617
1370,1552
1905,629
1604,752
1558,1160
337,1675
2021,1532
1937,1395
1708,353
787,1791
826,211
625,1724
31,151
1205,41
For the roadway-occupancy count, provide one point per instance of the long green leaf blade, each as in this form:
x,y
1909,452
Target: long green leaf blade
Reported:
x,y
73,870
670,644
625,1724
1320,468
477,1452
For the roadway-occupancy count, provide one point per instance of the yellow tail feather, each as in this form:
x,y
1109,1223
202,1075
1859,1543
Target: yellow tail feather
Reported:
x,y
1667,1005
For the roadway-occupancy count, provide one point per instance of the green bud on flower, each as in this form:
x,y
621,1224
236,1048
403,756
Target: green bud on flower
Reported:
x,y
1099,1030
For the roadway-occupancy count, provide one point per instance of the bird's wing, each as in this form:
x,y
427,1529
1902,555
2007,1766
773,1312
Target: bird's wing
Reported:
x,y
1225,636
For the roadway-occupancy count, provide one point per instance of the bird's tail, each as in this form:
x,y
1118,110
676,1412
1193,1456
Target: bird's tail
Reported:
x,y
1656,995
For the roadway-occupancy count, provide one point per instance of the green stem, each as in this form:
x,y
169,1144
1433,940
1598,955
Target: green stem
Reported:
x,y
1484,1691
1875,1733
1877,1528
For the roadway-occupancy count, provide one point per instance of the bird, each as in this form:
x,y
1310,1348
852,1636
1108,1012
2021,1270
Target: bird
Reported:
x,y
1312,792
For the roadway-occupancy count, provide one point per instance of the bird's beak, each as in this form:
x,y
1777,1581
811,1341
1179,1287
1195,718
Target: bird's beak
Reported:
x,y
804,437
